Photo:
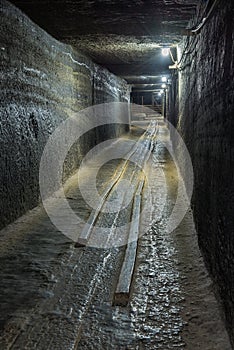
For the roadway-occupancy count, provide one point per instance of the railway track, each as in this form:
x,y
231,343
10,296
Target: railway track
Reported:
x,y
129,205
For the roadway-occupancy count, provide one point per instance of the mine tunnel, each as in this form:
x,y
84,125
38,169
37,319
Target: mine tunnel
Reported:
x,y
116,182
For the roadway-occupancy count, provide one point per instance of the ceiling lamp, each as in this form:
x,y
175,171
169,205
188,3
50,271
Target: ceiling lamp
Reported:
x,y
164,86
164,79
165,51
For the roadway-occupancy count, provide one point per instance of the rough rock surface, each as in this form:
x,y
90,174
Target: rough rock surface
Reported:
x,y
206,104
114,32
42,83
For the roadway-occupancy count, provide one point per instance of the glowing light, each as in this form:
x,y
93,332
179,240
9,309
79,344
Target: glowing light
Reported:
x,y
164,86
165,51
161,91
164,79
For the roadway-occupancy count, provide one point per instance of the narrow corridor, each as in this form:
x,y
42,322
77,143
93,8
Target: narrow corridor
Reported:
x,y
116,174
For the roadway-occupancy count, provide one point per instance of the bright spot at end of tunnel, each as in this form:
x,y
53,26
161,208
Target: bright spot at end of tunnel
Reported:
x,y
165,51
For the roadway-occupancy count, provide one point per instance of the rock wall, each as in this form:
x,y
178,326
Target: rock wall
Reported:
x,y
206,123
42,82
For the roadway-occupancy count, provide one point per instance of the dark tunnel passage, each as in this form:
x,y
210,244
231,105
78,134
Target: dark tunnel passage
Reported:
x,y
117,174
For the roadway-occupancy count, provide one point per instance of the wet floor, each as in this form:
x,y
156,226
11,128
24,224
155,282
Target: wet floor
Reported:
x,y
55,296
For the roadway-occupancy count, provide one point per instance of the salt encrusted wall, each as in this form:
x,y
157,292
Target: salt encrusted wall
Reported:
x,y
42,82
206,122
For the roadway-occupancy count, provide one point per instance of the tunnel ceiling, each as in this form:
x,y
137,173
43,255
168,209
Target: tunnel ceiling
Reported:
x,y
124,36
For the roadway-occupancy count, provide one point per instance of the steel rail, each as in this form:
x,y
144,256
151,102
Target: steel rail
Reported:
x,y
88,227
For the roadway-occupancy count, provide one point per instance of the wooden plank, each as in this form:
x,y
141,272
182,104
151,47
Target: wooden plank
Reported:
x,y
86,232
122,292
